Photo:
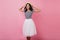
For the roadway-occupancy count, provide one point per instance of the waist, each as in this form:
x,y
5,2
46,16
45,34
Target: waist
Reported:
x,y
28,18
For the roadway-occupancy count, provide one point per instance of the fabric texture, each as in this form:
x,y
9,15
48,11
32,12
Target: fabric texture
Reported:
x,y
29,28
28,14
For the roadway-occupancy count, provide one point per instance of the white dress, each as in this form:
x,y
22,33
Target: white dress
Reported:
x,y
29,28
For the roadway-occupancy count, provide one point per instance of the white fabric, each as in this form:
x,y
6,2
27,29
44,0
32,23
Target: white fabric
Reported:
x,y
29,28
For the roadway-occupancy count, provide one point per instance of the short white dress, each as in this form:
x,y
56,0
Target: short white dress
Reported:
x,y
29,27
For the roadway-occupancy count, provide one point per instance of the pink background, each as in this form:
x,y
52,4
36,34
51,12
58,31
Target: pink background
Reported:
x,y
47,21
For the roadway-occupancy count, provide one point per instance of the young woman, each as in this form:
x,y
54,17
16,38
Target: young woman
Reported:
x,y
29,28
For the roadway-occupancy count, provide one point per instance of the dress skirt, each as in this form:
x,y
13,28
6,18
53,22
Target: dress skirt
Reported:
x,y
29,28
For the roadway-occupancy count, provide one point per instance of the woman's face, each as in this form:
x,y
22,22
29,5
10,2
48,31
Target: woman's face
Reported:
x,y
27,6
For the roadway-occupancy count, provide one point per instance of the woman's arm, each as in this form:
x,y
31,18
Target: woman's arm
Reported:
x,y
36,9
22,8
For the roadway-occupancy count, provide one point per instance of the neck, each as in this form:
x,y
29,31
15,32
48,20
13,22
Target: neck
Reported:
x,y
28,9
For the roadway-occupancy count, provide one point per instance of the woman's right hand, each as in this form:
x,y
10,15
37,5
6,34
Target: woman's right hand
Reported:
x,y
22,8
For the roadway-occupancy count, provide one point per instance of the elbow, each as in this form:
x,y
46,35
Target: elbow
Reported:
x,y
39,10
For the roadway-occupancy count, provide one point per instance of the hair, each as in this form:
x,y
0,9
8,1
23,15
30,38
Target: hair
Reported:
x,y
31,9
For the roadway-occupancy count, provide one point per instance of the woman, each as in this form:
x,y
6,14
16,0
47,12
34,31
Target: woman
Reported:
x,y
29,28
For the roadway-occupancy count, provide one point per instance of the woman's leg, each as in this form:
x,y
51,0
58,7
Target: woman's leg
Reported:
x,y
28,38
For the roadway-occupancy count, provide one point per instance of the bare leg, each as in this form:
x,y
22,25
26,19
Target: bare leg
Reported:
x,y
28,38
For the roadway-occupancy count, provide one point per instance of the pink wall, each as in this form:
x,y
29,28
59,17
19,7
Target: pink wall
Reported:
x,y
47,23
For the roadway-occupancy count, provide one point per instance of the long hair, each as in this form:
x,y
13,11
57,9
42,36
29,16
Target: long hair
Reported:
x,y
31,9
